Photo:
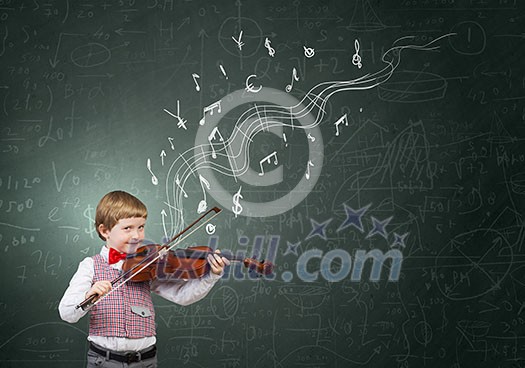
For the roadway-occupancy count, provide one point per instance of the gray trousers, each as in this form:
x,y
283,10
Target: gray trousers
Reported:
x,y
95,360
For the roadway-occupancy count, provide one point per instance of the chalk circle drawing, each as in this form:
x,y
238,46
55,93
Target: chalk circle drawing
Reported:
x,y
473,264
225,303
90,55
470,40
423,333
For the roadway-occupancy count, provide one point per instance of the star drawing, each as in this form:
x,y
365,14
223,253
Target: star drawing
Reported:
x,y
353,217
379,227
318,229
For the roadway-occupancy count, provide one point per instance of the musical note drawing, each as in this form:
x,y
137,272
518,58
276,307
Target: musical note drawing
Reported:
x,y
203,204
267,44
212,137
267,159
237,208
310,163
223,71
177,181
311,137
239,43
245,129
154,179
210,110
356,59
195,77
294,78
342,119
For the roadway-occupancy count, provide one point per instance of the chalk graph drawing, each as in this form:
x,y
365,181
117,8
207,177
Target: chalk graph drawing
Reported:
x,y
230,156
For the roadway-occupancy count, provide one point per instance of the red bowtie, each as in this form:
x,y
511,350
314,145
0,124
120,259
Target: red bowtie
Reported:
x,y
115,256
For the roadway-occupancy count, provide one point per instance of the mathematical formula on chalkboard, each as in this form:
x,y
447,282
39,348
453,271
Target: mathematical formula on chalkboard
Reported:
x,y
372,152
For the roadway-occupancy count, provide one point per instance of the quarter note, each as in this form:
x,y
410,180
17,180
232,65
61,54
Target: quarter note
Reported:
x,y
310,163
294,78
203,204
154,179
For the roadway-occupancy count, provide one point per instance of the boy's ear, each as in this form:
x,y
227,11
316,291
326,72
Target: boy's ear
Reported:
x,y
103,230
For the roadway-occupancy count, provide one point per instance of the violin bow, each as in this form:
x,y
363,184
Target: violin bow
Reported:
x,y
89,303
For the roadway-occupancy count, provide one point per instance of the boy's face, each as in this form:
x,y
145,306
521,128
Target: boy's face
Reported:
x,y
126,235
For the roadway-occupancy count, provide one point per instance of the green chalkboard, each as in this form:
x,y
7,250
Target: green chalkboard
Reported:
x,y
372,150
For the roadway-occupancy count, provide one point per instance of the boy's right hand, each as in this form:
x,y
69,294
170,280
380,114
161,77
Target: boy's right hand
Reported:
x,y
99,288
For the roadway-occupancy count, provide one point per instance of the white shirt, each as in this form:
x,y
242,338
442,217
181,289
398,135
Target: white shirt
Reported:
x,y
178,291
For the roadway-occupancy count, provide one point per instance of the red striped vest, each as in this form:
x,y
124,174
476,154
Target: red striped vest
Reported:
x,y
126,312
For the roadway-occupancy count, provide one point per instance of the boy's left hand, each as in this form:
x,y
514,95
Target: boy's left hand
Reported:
x,y
217,262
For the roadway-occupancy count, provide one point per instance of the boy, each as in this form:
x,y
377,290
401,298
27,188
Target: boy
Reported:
x,y
122,325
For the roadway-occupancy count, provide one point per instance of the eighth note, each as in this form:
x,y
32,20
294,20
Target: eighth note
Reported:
x,y
195,77
267,159
154,179
341,120
210,110
294,77
356,59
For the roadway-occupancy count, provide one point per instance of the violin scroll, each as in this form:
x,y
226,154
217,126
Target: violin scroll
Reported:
x,y
261,267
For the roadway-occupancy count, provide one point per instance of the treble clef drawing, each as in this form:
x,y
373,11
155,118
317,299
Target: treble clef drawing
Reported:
x,y
356,59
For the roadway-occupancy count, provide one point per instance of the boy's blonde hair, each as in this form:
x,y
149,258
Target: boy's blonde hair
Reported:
x,y
115,206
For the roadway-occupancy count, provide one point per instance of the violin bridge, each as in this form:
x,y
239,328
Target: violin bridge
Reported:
x,y
163,252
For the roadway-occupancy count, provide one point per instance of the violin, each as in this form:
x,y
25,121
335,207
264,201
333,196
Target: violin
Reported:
x,y
162,262
189,263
